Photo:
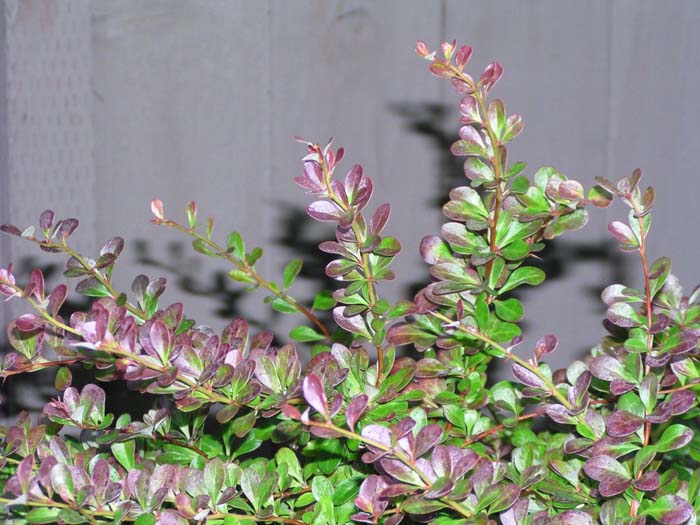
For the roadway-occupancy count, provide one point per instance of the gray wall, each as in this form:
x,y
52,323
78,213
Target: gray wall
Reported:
x,y
200,100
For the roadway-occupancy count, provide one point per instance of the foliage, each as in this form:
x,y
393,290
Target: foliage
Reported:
x,y
244,434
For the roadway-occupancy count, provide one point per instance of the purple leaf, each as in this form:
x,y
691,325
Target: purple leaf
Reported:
x,y
527,377
399,471
545,345
427,438
623,315
324,211
377,433
369,499
355,409
492,73
648,482
571,517
56,299
613,477
622,423
623,234
619,387
560,414
28,322
11,229
379,219
315,394
607,368
67,227
670,510
354,324
159,338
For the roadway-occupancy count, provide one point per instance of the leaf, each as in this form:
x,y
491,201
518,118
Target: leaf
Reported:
x,y
572,517
305,334
147,518
658,273
214,478
510,310
323,301
674,437
124,454
63,378
355,409
600,197
291,271
91,287
523,275
42,515
201,246
623,315
235,245
669,510
157,208
624,235
613,477
497,118
622,423
315,394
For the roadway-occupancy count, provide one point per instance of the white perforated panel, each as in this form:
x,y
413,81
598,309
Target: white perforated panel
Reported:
x,y
49,114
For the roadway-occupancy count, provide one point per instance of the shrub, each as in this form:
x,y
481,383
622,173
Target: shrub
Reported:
x,y
243,434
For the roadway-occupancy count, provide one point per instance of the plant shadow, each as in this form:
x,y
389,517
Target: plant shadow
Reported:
x,y
559,258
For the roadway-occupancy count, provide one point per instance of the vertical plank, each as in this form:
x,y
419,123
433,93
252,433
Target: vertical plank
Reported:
x,y
348,69
555,58
47,129
654,114
180,114
46,138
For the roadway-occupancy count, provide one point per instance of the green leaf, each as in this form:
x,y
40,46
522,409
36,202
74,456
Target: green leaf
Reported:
x,y
510,310
658,273
283,306
570,222
321,488
502,332
145,519
497,118
516,250
124,453
669,509
674,437
290,272
42,515
305,334
323,301
523,275
72,517
346,490
286,456
240,276
201,246
235,245
243,424
482,312
214,478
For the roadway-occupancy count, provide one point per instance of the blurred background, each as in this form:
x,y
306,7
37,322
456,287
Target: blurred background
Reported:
x,y
105,105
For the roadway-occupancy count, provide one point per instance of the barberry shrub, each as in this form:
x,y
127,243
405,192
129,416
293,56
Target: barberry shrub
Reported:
x,y
242,433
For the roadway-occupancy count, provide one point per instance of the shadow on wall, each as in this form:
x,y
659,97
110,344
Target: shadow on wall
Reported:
x,y
560,256
299,236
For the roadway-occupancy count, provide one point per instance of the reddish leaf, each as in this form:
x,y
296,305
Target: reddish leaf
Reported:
x,y
527,377
315,394
622,423
355,409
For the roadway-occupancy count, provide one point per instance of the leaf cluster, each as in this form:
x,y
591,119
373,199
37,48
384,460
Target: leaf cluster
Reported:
x,y
243,432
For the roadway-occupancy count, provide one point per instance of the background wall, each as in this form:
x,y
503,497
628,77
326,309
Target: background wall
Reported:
x,y
108,104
